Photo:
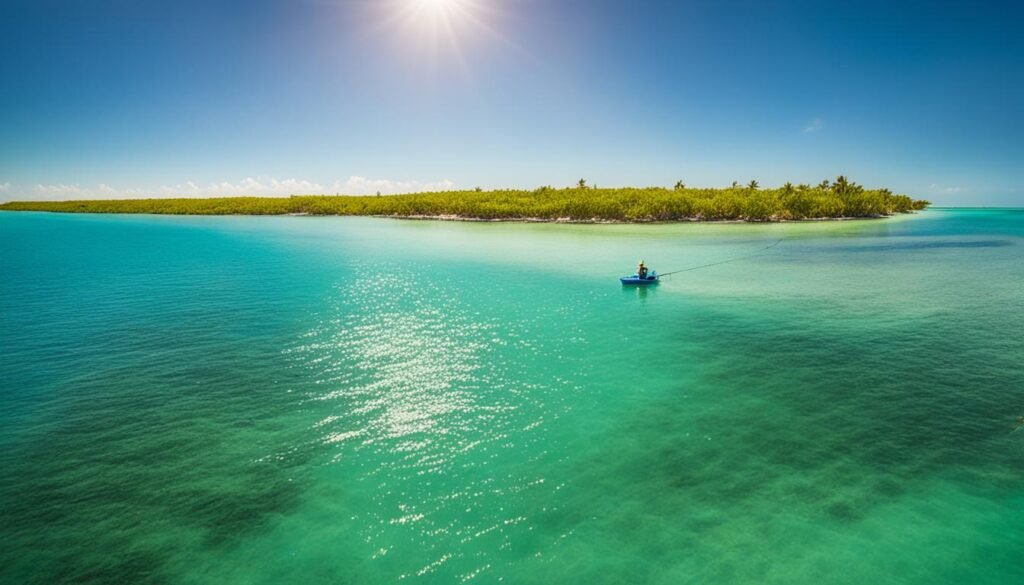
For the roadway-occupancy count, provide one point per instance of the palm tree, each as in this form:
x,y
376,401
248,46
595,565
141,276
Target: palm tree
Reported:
x,y
787,188
735,184
752,185
582,184
823,185
841,186
680,186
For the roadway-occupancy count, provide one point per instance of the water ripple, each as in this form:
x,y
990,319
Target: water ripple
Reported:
x,y
422,394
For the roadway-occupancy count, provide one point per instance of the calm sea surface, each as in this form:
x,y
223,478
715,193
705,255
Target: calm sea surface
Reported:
x,y
354,400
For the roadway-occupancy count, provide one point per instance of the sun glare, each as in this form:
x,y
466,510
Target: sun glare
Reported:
x,y
450,11
436,4
441,31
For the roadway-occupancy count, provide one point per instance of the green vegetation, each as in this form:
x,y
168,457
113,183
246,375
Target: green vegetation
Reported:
x,y
842,198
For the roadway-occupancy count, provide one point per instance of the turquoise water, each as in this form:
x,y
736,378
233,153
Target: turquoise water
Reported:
x,y
354,400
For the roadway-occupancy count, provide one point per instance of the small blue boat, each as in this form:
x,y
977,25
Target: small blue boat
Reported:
x,y
651,278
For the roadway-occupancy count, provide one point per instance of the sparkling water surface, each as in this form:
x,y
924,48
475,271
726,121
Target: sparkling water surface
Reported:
x,y
354,400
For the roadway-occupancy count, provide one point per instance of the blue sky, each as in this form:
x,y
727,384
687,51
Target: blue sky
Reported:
x,y
118,98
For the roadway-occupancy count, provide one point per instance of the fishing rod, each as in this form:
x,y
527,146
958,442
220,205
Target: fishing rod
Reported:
x,y
768,247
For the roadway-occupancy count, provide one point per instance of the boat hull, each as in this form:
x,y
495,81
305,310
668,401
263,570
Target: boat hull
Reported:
x,y
637,281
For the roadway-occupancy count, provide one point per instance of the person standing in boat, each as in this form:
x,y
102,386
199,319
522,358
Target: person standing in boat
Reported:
x,y
641,270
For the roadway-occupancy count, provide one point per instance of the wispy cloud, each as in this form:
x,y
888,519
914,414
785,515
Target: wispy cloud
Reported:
x,y
936,188
76,191
259,186
816,125
270,186
263,185
5,187
356,185
57,190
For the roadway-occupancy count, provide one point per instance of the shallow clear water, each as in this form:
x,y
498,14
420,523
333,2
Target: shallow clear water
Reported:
x,y
351,400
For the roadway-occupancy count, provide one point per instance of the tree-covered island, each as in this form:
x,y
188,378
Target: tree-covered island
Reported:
x,y
582,203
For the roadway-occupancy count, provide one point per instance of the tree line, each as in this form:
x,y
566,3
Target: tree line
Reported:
x,y
828,199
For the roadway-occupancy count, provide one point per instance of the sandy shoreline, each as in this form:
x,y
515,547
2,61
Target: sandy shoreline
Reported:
x,y
596,221
445,217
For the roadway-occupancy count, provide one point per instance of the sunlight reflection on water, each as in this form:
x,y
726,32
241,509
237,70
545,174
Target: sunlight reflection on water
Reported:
x,y
431,389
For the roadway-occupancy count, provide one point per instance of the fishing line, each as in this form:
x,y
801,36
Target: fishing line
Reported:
x,y
762,250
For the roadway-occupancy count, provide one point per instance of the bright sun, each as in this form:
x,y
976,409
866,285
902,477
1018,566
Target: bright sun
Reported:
x,y
436,4
441,30
439,35
447,9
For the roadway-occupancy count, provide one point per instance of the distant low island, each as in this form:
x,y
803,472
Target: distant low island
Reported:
x,y
582,204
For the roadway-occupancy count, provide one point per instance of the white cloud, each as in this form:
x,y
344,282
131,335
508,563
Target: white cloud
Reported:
x,y
186,189
936,188
260,186
5,187
263,185
57,190
356,185
815,125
